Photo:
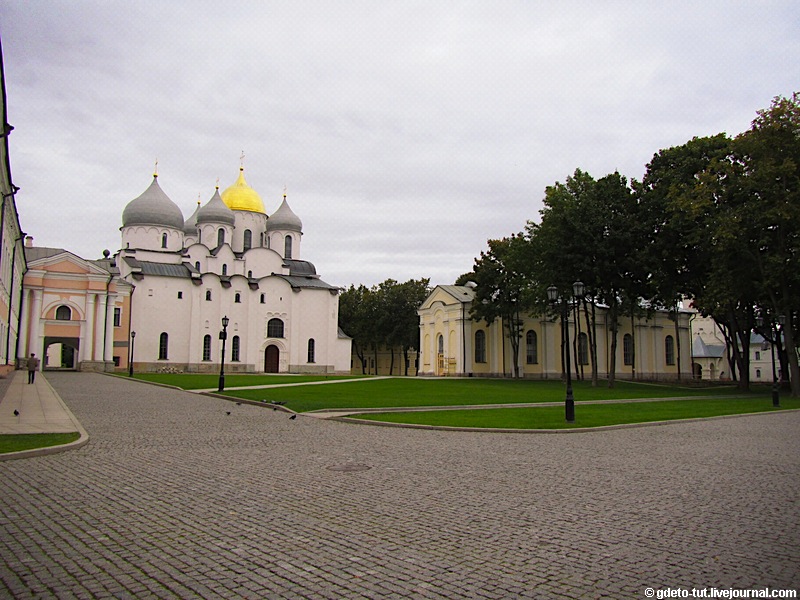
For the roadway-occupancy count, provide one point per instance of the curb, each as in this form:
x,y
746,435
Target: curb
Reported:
x,y
33,452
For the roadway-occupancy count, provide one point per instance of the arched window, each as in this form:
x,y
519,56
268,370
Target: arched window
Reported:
x,y
263,299
583,349
235,349
237,298
163,240
208,295
275,328
197,266
224,270
480,346
287,247
163,346
248,239
758,373
206,347
311,350
249,274
220,237
440,344
531,350
669,349
627,349
63,313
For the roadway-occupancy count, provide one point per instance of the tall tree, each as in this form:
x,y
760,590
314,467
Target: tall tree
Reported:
x,y
500,292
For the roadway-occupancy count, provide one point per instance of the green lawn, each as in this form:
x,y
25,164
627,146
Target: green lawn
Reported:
x,y
199,381
18,442
399,392
587,415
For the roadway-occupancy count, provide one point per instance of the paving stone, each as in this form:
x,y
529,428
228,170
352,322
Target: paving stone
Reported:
x,y
172,498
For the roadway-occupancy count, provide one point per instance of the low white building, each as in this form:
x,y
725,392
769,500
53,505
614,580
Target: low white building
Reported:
x,y
228,259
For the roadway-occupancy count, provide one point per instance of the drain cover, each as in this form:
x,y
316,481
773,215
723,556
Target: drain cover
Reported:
x,y
349,467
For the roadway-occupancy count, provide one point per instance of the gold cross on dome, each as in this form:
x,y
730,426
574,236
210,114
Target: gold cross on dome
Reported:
x,y
241,160
155,169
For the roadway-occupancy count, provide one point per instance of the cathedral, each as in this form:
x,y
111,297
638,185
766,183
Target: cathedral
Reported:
x,y
179,290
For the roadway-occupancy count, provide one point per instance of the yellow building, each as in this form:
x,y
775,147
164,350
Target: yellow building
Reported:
x,y
455,345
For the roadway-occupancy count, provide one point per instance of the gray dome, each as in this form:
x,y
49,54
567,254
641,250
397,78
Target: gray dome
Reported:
x,y
190,227
284,219
216,211
153,207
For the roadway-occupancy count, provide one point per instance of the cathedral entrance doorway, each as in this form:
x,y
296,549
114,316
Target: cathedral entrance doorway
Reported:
x,y
271,359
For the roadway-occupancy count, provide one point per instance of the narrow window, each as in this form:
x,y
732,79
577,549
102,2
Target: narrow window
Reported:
x,y
583,349
197,266
117,317
220,237
275,328
287,247
263,299
63,313
237,298
311,350
669,349
164,240
480,346
207,347
235,349
208,295
627,349
758,373
224,270
180,295
531,350
248,239
249,274
163,346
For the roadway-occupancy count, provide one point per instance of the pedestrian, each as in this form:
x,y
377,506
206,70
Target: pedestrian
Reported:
x,y
33,364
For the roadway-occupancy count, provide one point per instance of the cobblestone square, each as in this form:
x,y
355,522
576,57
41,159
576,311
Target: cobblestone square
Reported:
x,y
174,498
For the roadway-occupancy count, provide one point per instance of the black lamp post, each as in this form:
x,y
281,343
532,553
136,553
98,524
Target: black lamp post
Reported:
x,y
773,329
223,335
130,360
552,296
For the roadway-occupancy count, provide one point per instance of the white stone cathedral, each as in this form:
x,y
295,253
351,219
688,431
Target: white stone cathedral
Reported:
x,y
228,259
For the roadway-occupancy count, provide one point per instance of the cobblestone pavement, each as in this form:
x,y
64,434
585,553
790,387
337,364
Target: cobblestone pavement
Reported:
x,y
172,497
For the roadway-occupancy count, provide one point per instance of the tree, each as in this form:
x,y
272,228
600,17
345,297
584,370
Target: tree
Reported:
x,y
500,291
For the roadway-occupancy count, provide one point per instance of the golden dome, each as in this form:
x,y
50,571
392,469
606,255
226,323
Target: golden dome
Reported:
x,y
241,196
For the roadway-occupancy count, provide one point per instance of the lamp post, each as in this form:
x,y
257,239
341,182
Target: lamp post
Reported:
x,y
773,329
130,360
553,297
223,335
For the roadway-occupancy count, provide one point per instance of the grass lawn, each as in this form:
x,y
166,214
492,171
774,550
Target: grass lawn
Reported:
x,y
399,392
199,381
18,442
587,415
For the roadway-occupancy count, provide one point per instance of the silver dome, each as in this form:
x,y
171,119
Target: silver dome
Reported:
x,y
153,207
284,219
216,211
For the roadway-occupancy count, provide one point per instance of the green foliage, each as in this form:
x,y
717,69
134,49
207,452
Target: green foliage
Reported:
x,y
383,315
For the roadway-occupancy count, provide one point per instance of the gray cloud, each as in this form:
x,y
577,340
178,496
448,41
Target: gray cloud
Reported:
x,y
407,133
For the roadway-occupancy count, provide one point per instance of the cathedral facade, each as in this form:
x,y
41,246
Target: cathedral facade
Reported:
x,y
160,302
229,260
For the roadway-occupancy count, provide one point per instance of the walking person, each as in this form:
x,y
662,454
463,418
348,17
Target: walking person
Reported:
x,y
33,364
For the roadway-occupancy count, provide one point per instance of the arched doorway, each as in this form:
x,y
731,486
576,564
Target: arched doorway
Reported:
x,y
271,359
61,353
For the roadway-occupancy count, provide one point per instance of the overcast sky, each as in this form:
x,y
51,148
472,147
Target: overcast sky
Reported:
x,y
406,133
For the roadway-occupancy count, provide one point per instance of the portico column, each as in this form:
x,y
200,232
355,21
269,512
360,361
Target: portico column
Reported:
x,y
108,354
36,315
99,328
87,337
24,325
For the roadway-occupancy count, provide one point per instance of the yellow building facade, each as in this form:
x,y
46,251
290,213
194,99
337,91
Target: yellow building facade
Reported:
x,y
452,344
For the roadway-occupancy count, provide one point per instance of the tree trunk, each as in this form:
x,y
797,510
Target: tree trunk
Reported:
x,y
612,370
794,368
